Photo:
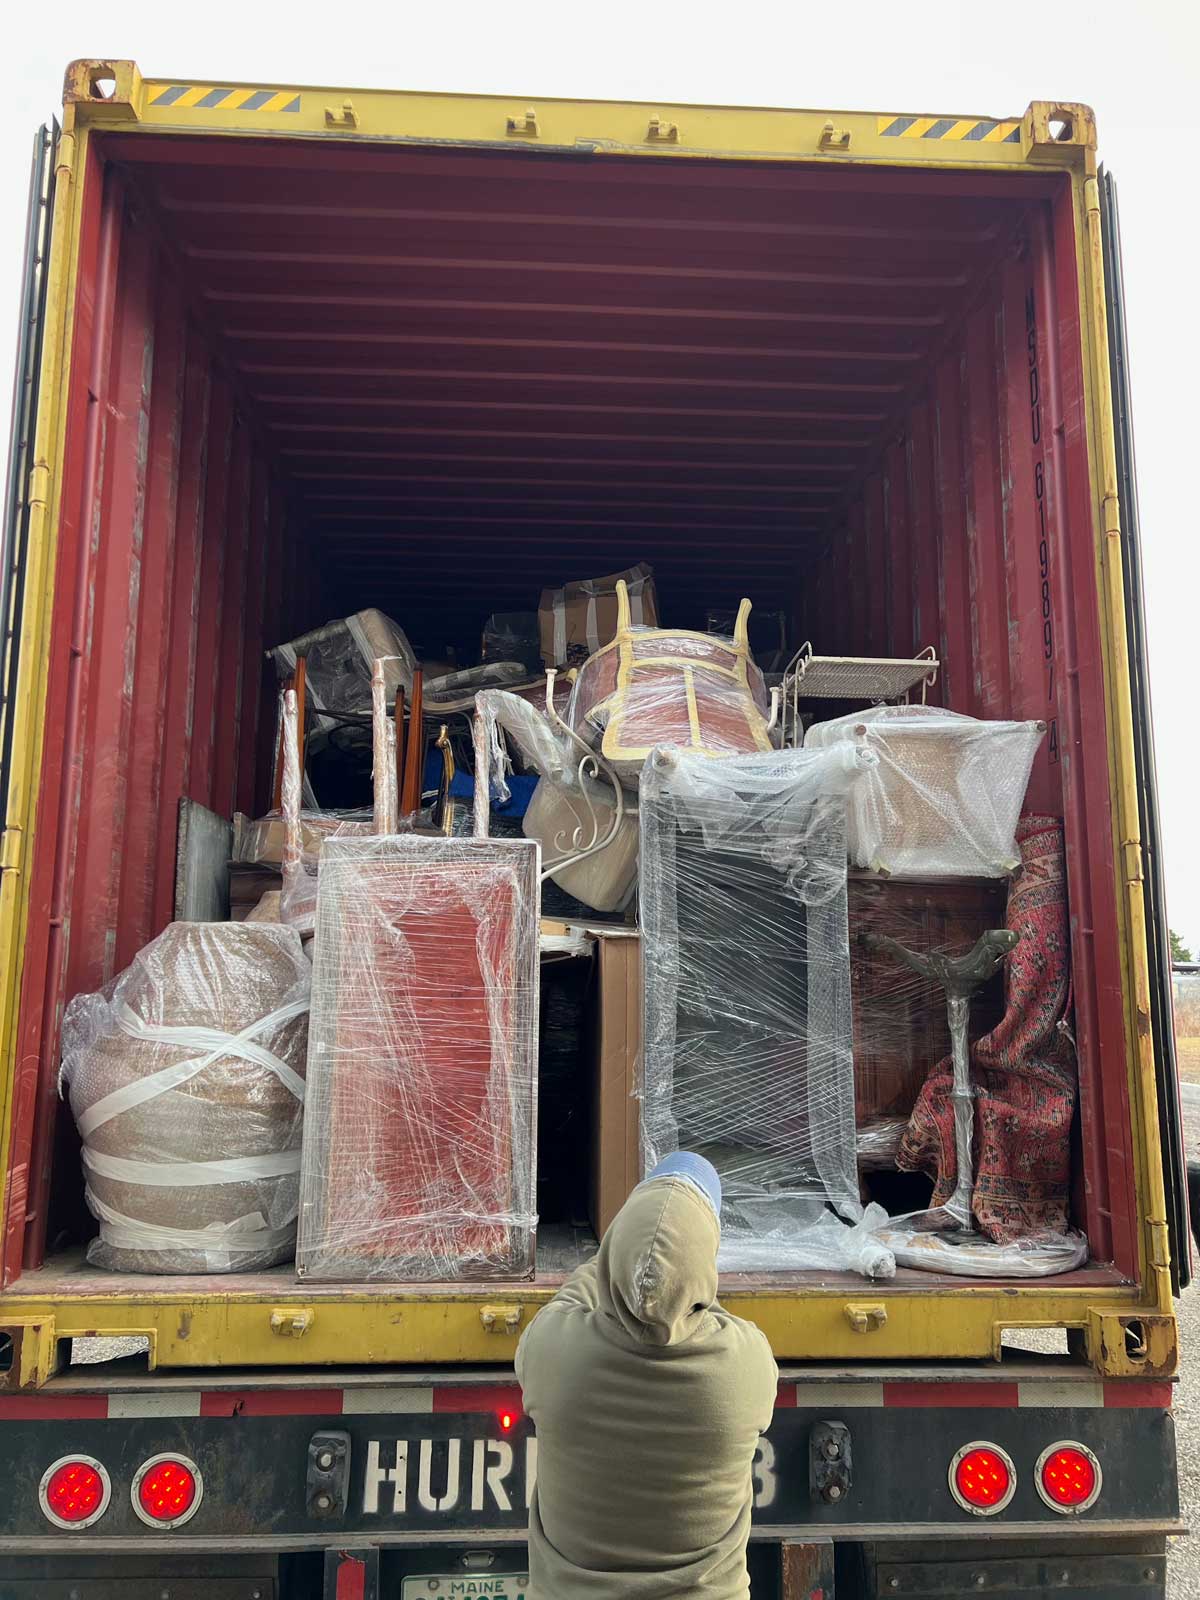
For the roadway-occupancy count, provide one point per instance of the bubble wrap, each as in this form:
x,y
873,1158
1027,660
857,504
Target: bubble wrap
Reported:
x,y
186,1079
419,1135
747,1056
967,1255
945,794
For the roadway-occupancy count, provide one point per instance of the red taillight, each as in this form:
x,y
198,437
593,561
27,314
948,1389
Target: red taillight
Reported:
x,y
506,1420
166,1490
1068,1477
982,1478
74,1491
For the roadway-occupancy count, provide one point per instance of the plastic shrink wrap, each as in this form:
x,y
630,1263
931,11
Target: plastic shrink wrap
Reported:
x,y
945,793
581,617
456,691
339,659
513,636
305,833
569,809
746,969
261,840
807,1236
186,1080
666,687
900,1025
970,1255
419,1132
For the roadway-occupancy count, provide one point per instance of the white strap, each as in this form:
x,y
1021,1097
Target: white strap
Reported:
x,y
249,1233
183,1174
560,626
211,1041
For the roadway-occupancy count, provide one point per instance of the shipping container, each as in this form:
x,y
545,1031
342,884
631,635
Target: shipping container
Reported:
x,y
289,352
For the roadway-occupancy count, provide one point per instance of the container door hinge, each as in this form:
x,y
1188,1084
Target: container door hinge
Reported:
x,y
343,116
39,484
1158,1242
502,1319
866,1318
1132,860
525,127
292,1322
661,132
10,850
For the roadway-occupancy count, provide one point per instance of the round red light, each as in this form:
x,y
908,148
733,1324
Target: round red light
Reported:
x,y
75,1491
167,1490
982,1478
1068,1477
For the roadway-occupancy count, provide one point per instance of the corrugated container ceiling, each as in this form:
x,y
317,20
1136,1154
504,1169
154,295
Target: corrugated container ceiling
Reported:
x,y
480,373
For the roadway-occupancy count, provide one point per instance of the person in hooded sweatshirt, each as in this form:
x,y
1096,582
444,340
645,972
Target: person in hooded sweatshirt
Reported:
x,y
649,1400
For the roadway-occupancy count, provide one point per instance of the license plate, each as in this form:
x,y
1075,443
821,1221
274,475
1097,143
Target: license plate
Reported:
x,y
473,1586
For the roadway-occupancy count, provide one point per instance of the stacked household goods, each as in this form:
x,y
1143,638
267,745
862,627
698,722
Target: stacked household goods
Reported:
x,y
420,1126
991,1121
653,687
187,1083
746,975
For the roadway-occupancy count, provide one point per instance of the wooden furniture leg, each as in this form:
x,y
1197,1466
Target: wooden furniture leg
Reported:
x,y
399,720
414,753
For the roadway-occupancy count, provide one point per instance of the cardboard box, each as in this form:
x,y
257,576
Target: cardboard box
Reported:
x,y
580,618
616,1148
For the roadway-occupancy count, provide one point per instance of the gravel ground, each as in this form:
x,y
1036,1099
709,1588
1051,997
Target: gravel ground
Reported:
x,y
1183,1568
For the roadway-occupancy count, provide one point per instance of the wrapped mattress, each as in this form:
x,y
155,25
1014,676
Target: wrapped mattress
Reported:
x,y
186,1079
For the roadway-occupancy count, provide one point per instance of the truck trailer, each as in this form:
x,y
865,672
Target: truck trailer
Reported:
x,y
287,352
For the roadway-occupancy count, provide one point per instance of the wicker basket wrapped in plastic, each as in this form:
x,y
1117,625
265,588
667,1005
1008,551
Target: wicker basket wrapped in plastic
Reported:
x,y
186,1079
944,795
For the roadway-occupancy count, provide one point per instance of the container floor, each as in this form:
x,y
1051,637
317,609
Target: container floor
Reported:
x,y
561,1248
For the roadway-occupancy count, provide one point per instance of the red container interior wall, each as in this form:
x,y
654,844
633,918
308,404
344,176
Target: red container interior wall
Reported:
x,y
170,558
972,532
970,526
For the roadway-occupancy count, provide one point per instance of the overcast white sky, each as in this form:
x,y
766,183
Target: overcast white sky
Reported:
x,y
1137,63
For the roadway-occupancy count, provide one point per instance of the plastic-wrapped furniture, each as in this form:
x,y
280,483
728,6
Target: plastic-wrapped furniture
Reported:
x,y
900,1027
339,658
418,1158
746,977
587,829
666,687
944,794
582,617
186,1079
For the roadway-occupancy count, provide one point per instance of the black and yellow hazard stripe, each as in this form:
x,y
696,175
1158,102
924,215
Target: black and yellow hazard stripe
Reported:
x,y
202,97
970,130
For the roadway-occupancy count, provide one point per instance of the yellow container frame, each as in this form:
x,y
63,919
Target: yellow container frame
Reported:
x,y
1128,1331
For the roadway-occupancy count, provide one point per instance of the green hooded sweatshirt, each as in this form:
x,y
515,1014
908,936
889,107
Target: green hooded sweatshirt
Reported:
x,y
649,1400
